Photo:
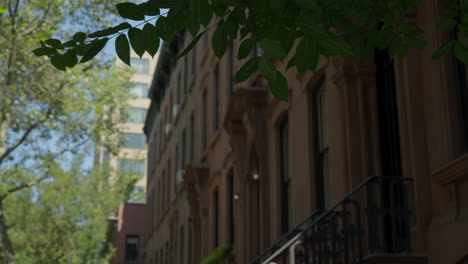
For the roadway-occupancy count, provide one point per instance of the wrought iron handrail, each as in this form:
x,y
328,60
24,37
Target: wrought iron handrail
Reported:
x,y
331,229
297,229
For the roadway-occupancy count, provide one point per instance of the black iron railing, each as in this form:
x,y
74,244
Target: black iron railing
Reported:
x,y
280,242
375,217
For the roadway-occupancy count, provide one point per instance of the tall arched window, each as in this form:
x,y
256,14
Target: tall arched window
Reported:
x,y
182,246
285,180
321,146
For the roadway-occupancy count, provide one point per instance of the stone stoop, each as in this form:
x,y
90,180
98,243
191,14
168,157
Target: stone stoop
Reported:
x,y
395,259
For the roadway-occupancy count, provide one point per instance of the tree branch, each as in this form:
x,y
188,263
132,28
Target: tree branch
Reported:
x,y
24,137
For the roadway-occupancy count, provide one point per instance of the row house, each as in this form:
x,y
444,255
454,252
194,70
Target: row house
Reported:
x,y
366,163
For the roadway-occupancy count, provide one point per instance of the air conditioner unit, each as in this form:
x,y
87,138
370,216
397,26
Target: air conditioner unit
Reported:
x,y
175,110
167,128
180,176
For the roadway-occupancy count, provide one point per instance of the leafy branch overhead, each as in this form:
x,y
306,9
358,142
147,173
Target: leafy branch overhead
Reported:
x,y
322,28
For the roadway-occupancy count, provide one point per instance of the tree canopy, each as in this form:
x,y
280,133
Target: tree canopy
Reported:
x,y
49,121
321,27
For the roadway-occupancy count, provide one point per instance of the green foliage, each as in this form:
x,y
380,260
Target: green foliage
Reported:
x,y
323,28
60,224
48,119
218,255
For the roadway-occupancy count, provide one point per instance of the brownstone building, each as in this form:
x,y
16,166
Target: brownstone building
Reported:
x,y
366,163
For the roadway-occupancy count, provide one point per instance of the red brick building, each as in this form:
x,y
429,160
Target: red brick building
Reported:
x,y
128,238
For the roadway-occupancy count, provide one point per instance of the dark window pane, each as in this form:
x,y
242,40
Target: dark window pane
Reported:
x,y
131,140
140,65
131,250
285,179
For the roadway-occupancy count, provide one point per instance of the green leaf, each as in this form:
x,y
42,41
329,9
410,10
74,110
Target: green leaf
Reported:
x,y
278,5
122,26
3,10
70,58
447,24
191,45
308,4
267,70
245,48
279,87
205,11
151,39
442,50
246,70
59,62
122,49
45,51
54,43
82,49
219,41
164,29
162,3
273,49
130,11
94,49
416,43
136,39
69,44
461,53
231,26
79,37
104,32
149,9
306,56
219,7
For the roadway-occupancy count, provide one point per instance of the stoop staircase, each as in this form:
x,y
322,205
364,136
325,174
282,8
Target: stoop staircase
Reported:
x,y
370,225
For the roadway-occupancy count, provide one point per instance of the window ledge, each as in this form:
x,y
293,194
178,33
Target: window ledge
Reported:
x,y
456,170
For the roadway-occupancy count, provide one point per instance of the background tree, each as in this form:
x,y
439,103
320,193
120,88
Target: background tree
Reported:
x,y
319,27
47,118
64,220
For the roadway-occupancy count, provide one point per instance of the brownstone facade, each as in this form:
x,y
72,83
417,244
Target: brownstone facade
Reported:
x,y
233,165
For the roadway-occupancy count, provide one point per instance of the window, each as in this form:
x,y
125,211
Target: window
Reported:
x,y
140,65
205,123
160,199
321,147
285,180
182,246
185,74
137,196
131,249
231,207
134,115
139,90
183,149
194,61
231,67
133,140
179,97
192,136
216,97
215,219
136,167
257,51
169,179
462,77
